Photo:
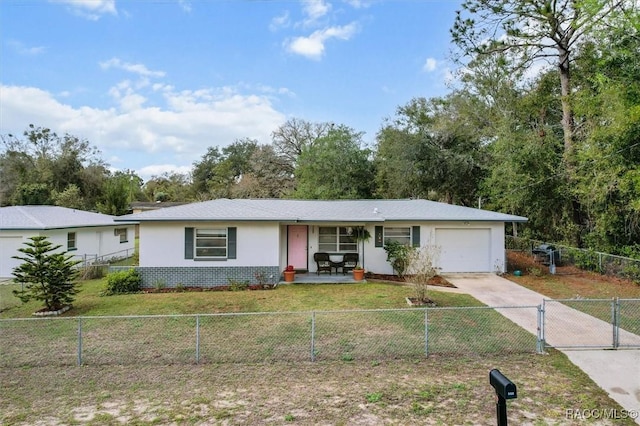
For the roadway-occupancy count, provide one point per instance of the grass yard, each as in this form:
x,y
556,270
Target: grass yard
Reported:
x,y
440,390
568,282
161,385
293,297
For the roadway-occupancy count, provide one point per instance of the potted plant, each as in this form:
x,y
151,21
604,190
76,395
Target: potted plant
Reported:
x,y
289,273
358,273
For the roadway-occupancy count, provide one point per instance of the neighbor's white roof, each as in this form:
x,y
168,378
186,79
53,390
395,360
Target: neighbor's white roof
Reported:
x,y
320,211
50,217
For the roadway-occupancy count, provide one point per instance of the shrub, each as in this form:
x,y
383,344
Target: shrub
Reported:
x,y
586,260
398,255
421,264
123,282
236,285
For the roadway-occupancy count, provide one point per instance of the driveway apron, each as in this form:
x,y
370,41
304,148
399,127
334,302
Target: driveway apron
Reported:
x,y
617,372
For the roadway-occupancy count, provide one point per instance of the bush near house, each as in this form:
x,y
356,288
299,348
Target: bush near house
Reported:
x,y
123,282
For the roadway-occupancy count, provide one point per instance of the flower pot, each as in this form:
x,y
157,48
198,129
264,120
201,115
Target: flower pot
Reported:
x,y
289,276
358,274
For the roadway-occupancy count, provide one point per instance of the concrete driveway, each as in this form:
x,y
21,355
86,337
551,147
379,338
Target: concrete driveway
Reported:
x,y
617,372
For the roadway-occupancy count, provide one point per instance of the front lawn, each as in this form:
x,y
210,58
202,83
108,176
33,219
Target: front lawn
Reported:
x,y
440,390
294,297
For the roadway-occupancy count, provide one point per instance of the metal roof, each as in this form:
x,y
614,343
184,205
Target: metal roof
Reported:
x,y
320,211
51,217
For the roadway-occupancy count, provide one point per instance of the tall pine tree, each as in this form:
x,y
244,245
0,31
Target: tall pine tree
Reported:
x,y
49,275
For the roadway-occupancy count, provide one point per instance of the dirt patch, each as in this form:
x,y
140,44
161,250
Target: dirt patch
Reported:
x,y
568,281
437,390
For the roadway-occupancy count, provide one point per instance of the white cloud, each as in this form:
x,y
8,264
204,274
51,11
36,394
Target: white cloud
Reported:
x,y
281,21
90,9
140,133
313,46
430,65
139,69
315,9
23,49
185,5
358,4
158,169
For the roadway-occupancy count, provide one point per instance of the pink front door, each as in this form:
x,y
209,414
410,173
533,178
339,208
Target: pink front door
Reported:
x,y
297,246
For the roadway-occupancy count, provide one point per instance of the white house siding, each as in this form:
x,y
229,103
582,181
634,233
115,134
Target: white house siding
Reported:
x,y
162,244
10,242
91,243
95,242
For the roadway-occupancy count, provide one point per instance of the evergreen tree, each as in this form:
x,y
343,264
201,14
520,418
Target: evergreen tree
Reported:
x,y
49,275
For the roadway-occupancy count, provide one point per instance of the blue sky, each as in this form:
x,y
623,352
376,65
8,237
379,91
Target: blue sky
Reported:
x,y
154,83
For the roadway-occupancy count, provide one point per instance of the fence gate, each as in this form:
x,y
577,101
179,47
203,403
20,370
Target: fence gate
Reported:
x,y
591,323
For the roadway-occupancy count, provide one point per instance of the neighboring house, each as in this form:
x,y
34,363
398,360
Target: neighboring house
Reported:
x,y
209,243
143,206
84,235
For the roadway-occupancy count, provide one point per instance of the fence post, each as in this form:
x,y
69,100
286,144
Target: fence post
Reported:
x,y
197,339
615,321
543,325
600,270
313,336
426,332
79,341
540,337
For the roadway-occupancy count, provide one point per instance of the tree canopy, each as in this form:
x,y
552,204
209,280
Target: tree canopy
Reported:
x,y
558,145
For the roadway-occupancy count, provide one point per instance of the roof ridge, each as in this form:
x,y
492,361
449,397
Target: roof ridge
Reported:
x,y
243,202
22,210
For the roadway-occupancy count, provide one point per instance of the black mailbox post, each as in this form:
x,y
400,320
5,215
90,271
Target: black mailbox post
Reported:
x,y
505,389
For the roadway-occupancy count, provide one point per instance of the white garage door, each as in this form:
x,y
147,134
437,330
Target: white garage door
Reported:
x,y
464,250
9,247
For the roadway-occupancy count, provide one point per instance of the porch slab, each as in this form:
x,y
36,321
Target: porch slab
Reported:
x,y
313,278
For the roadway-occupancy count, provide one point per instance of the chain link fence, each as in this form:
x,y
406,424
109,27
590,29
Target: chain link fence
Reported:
x,y
588,260
591,323
262,337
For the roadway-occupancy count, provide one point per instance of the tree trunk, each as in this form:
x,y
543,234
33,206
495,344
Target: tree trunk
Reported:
x,y
567,111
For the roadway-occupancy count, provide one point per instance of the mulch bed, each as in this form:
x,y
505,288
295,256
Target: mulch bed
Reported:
x,y
435,281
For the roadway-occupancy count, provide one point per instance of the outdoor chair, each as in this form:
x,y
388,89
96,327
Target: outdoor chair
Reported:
x,y
323,262
349,262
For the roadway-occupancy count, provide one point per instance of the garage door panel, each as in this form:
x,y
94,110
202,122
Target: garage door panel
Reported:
x,y
464,249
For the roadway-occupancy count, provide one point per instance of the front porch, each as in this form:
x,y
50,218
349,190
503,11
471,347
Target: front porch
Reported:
x,y
324,278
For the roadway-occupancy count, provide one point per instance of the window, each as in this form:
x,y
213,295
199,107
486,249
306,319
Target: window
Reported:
x,y
399,234
123,234
71,241
336,239
211,243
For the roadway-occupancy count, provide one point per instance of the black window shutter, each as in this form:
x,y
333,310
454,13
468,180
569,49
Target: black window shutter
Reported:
x,y
231,242
378,236
188,243
415,236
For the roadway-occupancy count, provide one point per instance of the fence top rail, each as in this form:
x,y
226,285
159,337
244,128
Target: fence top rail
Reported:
x,y
611,299
460,308
237,314
565,247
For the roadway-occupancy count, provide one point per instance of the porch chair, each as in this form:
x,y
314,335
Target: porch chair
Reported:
x,y
349,262
323,262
